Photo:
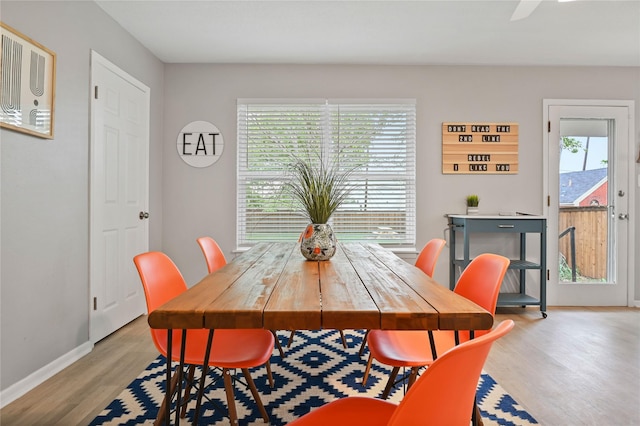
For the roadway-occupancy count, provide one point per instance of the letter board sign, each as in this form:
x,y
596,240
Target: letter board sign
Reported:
x,y
480,148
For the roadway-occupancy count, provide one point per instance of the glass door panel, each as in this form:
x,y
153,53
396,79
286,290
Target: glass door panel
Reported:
x,y
583,214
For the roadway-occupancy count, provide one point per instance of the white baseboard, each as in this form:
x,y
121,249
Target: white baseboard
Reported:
x,y
36,378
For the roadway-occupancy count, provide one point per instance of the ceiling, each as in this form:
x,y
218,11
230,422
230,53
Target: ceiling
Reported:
x,y
475,32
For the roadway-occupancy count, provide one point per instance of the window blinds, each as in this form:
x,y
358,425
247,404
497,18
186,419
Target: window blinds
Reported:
x,y
376,137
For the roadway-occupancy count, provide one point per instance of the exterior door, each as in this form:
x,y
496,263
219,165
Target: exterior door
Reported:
x,y
589,175
119,195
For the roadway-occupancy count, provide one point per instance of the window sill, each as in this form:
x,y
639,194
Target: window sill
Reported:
x,y
400,251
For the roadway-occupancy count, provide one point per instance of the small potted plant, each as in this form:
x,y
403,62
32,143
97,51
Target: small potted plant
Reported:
x,y
319,189
472,204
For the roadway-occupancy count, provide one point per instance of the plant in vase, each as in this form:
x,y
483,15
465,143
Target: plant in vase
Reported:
x,y
319,190
472,204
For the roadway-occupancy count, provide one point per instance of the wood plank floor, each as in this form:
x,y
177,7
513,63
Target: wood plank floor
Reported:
x,y
579,366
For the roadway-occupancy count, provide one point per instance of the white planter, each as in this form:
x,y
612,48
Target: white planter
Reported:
x,y
318,242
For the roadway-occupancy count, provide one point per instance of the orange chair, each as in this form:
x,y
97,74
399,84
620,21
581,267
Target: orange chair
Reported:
x,y
426,261
479,282
212,253
215,259
444,394
428,256
230,349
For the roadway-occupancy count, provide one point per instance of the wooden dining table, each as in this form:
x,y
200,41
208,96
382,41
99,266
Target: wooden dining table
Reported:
x,y
364,286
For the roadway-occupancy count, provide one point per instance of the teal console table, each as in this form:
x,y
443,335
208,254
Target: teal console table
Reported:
x,y
465,225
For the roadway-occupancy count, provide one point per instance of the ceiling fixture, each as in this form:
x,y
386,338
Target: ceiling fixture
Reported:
x,y
526,7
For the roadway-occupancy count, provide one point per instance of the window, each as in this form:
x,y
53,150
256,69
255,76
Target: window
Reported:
x,y
377,136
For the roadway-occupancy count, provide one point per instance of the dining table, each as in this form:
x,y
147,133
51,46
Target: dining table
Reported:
x,y
273,287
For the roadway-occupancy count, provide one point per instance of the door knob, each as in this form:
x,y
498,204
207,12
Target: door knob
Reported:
x,y
143,215
623,216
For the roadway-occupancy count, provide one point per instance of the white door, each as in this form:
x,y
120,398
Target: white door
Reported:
x,y
119,195
589,242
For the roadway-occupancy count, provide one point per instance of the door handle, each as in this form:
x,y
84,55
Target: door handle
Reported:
x,y
623,216
143,215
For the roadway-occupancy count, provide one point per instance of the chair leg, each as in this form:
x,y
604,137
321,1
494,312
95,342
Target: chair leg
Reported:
x,y
344,340
187,391
364,343
278,345
366,370
161,412
392,378
412,377
269,375
293,333
256,395
231,402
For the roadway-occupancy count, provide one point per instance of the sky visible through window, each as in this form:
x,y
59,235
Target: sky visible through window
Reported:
x,y
596,155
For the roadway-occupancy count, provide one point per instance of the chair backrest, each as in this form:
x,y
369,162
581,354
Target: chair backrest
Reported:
x,y
428,257
162,281
480,282
444,393
212,253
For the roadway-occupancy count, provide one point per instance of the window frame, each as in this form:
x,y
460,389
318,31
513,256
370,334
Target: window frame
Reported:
x,y
404,147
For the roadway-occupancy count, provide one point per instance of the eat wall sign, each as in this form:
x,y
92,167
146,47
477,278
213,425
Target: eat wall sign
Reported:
x,y
480,148
200,144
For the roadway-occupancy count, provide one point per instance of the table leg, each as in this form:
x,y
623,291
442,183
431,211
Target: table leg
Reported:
x,y
183,344
205,369
476,418
432,343
167,413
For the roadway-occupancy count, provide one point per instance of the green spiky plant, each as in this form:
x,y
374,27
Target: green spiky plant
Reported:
x,y
319,190
473,200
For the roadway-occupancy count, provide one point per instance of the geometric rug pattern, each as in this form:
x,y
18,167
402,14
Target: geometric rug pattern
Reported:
x,y
316,369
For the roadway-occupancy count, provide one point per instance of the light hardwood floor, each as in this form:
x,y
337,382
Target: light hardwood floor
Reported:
x,y
579,366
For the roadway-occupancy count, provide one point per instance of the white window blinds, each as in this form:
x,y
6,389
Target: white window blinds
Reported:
x,y
378,137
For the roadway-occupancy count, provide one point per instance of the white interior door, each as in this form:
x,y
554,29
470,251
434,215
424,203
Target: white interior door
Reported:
x,y
119,195
589,203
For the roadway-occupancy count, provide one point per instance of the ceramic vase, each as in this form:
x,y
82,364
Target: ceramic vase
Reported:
x,y
318,242
472,210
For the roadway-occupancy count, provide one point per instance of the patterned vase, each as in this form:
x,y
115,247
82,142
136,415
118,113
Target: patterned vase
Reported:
x,y
318,242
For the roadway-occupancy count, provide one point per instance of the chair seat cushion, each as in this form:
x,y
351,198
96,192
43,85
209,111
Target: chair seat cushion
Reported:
x,y
407,348
238,348
241,348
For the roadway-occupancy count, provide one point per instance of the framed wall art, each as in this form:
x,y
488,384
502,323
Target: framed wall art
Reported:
x,y
27,84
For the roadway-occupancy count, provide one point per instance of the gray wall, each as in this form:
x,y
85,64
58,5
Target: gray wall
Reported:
x,y
202,201
45,187
44,184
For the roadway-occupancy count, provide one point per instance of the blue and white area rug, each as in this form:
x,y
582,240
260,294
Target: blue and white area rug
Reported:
x,y
316,369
